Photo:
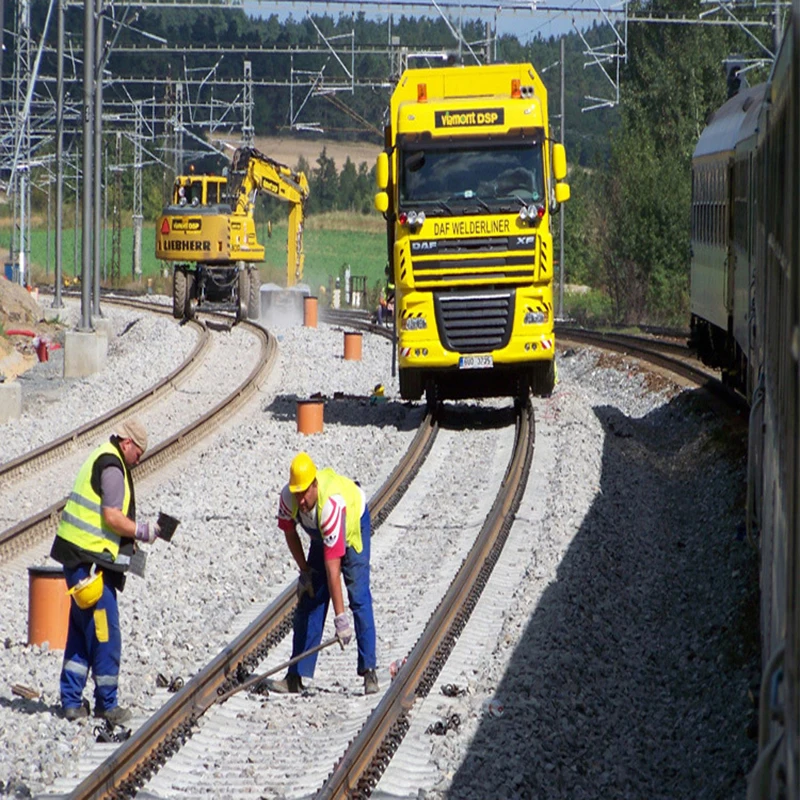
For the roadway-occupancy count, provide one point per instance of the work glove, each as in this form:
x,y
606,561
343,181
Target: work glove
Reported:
x,y
305,585
344,633
145,532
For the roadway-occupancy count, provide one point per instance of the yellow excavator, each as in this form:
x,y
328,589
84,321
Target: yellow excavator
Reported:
x,y
208,231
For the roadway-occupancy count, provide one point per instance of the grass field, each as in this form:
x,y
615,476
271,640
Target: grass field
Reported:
x,y
331,242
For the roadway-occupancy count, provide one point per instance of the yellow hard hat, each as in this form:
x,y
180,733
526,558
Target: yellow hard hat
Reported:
x,y
301,473
88,591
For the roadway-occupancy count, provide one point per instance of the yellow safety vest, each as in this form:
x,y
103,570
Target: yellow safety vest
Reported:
x,y
82,518
330,483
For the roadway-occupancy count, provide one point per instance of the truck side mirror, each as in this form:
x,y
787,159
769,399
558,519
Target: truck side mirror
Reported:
x,y
559,162
562,192
382,171
381,202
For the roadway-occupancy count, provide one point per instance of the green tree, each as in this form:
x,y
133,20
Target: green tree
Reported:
x,y
323,185
348,199
673,79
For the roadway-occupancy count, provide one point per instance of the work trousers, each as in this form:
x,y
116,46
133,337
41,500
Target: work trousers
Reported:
x,y
311,612
94,642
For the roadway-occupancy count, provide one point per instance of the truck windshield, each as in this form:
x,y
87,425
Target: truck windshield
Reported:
x,y
482,178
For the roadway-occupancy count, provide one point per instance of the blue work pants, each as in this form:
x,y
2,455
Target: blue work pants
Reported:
x,y
311,612
94,642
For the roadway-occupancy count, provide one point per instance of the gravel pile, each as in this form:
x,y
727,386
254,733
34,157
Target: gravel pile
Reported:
x,y
623,657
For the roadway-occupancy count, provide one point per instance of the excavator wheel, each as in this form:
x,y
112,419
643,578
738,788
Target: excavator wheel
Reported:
x,y
190,309
242,294
179,293
254,296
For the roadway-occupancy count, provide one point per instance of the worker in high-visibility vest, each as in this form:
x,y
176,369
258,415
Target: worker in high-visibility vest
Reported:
x,y
386,303
332,509
95,541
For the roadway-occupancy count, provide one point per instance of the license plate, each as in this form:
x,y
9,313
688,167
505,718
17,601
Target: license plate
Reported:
x,y
475,362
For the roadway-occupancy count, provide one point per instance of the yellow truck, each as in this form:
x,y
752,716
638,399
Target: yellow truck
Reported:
x,y
468,184
208,230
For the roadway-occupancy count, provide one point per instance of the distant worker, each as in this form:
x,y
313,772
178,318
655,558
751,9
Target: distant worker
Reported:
x,y
96,538
386,305
332,509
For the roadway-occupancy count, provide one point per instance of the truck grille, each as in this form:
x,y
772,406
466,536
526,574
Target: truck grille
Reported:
x,y
490,260
474,323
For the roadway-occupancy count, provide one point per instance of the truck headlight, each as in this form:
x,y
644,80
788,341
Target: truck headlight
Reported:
x,y
532,214
415,324
534,317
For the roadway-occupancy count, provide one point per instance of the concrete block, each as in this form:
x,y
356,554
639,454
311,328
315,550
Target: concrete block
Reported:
x,y
53,314
85,353
283,307
104,326
10,401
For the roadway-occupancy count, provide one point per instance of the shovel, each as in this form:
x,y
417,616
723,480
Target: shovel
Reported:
x,y
255,679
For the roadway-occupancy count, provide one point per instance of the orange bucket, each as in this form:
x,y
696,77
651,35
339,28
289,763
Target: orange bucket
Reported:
x,y
310,306
309,416
352,346
48,607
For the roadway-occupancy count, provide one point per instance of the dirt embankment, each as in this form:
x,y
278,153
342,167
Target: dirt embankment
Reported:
x,y
288,149
19,311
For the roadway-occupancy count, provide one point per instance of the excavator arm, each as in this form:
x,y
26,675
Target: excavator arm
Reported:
x,y
252,173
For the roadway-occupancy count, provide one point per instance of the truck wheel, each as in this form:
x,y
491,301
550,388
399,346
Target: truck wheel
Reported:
x,y
178,293
544,378
410,384
242,294
432,394
254,297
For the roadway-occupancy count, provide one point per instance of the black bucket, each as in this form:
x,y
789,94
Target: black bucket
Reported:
x,y
166,526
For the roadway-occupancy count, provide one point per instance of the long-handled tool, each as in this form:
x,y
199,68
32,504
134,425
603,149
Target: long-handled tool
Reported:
x,y
255,679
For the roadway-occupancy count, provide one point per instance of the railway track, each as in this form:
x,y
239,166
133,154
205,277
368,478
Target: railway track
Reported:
x,y
358,770
23,465
42,524
354,774
674,358
135,761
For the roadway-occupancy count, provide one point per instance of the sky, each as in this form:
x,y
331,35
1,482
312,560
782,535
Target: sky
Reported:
x,y
525,20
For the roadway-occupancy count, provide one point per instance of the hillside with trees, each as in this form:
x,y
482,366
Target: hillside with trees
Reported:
x,y
627,224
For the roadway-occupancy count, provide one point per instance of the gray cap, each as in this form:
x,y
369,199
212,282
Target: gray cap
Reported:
x,y
133,429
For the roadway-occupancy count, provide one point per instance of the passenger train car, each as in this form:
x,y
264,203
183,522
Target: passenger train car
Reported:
x,y
746,321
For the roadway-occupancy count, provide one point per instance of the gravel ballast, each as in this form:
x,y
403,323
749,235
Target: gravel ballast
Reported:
x,y
624,655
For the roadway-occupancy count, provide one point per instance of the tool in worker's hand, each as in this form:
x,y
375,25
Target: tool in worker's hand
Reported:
x,y
256,679
166,526
138,563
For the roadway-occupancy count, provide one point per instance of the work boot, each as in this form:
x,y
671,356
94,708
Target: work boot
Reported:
x,y
370,682
77,712
291,684
116,715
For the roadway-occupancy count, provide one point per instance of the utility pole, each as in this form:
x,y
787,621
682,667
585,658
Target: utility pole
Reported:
x,y
137,192
97,233
59,271
88,97
561,271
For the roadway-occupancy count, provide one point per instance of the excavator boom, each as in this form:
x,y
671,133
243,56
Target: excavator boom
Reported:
x,y
252,173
